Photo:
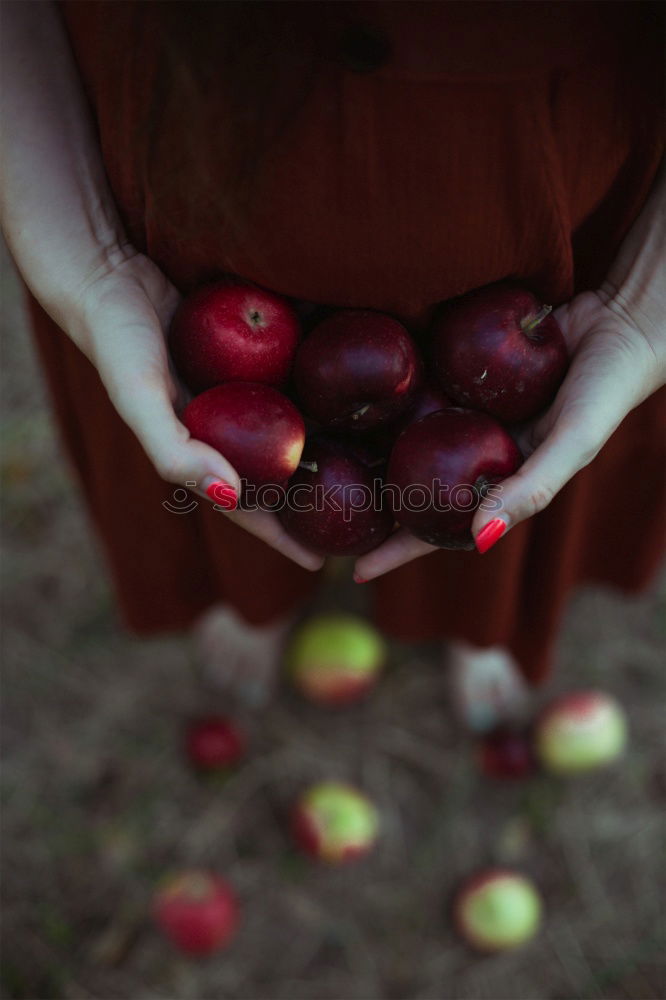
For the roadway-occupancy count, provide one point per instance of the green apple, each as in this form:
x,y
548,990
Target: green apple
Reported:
x,y
580,732
335,659
497,910
334,822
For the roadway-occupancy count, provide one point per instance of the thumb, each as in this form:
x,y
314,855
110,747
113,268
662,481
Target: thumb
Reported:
x,y
562,454
177,457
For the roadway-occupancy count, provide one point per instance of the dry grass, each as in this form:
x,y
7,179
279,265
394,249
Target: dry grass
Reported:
x,y
97,802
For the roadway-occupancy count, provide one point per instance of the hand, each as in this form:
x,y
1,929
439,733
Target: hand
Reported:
x,y
617,361
121,314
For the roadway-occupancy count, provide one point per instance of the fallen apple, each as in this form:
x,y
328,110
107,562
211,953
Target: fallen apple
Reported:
x,y
356,370
214,743
233,332
254,426
197,911
506,754
334,505
580,732
497,909
335,822
498,349
335,659
442,467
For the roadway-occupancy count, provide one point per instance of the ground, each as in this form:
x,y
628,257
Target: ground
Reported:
x,y
97,802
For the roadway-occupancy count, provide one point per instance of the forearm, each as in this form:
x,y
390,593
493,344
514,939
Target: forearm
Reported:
x,y
56,207
636,284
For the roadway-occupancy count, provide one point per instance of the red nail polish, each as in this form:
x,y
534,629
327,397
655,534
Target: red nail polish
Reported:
x,y
491,533
359,579
223,495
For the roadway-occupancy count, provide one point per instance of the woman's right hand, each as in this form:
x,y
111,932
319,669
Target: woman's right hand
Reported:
x,y
119,317
64,232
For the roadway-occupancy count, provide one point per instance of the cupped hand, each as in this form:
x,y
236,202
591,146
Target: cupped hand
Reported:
x,y
121,315
618,360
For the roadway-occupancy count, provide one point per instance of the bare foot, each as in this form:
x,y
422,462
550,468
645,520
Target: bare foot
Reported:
x,y
487,686
239,658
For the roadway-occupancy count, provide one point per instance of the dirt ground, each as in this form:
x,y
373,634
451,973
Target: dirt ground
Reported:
x,y
97,803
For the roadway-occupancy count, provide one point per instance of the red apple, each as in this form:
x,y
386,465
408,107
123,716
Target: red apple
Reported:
x,y
197,911
356,370
227,332
254,426
496,910
429,398
214,743
498,349
334,822
442,467
506,753
333,503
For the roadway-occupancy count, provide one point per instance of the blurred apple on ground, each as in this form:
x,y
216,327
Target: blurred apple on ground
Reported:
x,y
335,659
197,911
334,822
580,732
497,909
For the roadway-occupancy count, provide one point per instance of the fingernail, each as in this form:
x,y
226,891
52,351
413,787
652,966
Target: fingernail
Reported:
x,y
491,533
359,579
222,494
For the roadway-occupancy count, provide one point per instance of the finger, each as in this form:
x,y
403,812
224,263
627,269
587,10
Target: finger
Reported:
x,y
533,487
266,526
400,548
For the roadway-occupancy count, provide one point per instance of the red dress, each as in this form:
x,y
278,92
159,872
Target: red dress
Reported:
x,y
440,147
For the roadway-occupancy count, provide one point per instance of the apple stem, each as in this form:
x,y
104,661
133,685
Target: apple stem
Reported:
x,y
531,324
359,413
310,466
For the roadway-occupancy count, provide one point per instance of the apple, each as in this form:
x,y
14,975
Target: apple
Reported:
x,y
333,503
233,332
442,466
497,909
335,822
580,732
506,753
498,349
356,370
429,398
214,743
197,911
335,659
254,426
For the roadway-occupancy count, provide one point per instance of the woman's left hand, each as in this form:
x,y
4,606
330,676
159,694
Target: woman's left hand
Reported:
x,y
618,360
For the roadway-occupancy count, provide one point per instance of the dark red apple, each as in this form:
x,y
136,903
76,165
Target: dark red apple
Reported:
x,y
498,349
254,426
333,504
197,911
214,743
442,467
357,369
506,753
429,398
228,332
